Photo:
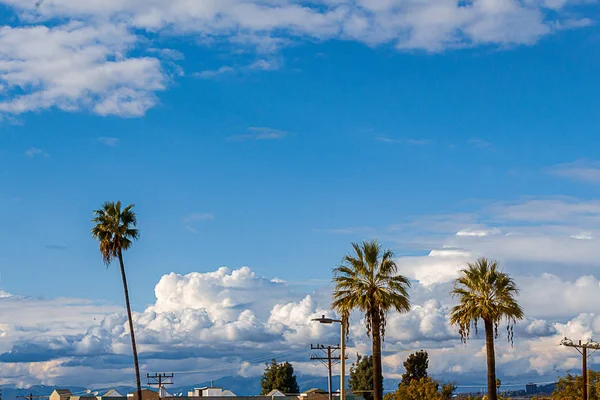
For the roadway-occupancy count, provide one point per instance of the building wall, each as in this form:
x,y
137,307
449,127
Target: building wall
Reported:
x,y
236,397
56,396
146,395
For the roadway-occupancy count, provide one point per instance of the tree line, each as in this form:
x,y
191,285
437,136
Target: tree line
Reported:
x,y
367,280
415,383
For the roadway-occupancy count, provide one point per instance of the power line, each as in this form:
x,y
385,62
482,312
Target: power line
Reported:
x,y
31,397
160,380
327,361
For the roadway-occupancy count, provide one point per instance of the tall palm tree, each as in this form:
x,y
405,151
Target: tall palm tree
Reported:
x,y
367,280
115,229
485,293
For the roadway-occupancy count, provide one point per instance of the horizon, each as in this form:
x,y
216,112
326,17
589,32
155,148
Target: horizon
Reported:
x,y
257,141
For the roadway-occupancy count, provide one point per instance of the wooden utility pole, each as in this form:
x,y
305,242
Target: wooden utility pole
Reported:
x,y
584,369
582,348
160,380
327,361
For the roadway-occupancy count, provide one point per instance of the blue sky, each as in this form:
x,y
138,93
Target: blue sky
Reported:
x,y
272,136
369,138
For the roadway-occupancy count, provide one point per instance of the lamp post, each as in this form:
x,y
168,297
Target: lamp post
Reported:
x,y
324,320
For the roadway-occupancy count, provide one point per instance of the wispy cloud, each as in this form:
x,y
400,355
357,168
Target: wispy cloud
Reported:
x,y
414,142
260,133
583,171
109,141
35,152
265,65
481,143
208,74
190,220
190,228
170,54
258,65
195,217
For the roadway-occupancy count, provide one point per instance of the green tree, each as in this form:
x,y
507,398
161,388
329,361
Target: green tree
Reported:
x,y
280,377
570,387
424,388
415,367
485,293
115,230
361,377
448,390
368,281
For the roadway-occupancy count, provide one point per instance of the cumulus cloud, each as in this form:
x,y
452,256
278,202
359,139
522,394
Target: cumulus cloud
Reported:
x,y
429,25
438,266
199,317
530,236
76,66
103,58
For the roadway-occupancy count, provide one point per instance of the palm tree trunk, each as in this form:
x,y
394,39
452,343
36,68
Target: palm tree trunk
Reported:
x,y
491,360
376,332
135,356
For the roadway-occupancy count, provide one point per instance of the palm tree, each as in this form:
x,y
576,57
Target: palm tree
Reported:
x,y
115,229
367,280
488,294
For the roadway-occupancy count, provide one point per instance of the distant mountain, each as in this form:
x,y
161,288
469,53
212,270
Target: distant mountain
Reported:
x,y
11,393
251,386
237,384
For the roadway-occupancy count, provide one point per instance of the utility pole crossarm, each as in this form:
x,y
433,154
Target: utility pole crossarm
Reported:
x,y
583,348
160,380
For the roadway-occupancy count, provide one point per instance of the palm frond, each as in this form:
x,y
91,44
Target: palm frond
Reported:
x,y
367,281
484,292
115,229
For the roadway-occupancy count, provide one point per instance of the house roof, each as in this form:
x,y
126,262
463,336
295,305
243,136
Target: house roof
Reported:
x,y
275,392
112,393
315,390
63,391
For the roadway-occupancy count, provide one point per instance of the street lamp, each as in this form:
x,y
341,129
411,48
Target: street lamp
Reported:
x,y
324,320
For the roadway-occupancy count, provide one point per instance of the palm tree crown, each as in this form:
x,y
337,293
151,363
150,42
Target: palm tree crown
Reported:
x,y
485,293
114,229
367,281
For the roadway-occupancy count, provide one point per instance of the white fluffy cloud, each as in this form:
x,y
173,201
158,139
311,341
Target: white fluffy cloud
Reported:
x,y
556,235
438,266
224,314
95,59
431,25
76,66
